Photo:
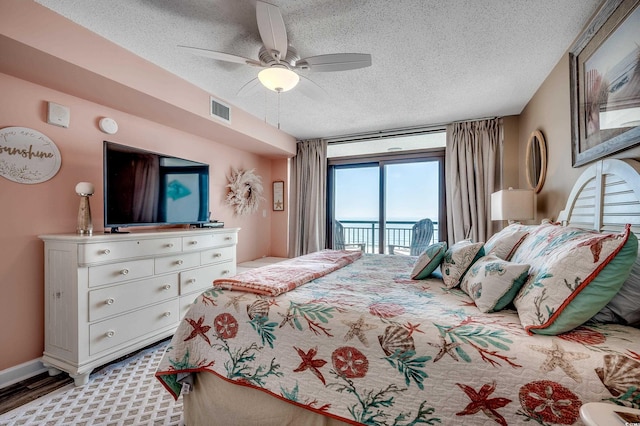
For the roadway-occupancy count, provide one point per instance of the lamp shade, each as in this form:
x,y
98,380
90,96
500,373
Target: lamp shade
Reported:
x,y
278,79
512,204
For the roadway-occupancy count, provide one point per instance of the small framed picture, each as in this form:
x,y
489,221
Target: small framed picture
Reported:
x,y
278,195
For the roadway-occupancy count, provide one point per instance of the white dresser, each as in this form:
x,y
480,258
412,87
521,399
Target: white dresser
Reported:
x,y
108,295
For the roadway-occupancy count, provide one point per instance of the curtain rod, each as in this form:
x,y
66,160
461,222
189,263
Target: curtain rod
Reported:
x,y
407,131
475,119
383,134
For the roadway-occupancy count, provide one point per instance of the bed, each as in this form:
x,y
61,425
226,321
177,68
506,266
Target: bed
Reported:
x,y
367,344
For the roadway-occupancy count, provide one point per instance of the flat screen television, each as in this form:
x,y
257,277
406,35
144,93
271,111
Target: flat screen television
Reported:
x,y
144,188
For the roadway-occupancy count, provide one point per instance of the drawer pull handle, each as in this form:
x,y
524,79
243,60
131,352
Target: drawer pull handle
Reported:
x,y
179,262
125,271
217,255
166,286
192,280
166,314
110,334
193,243
110,301
106,251
170,245
228,238
225,272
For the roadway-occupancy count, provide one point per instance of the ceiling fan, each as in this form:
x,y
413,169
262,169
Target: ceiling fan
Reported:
x,y
279,60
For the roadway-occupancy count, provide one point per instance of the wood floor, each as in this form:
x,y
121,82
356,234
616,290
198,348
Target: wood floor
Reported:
x,y
23,392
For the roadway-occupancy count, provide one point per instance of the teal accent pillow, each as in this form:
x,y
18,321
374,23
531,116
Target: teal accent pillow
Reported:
x,y
493,283
574,273
458,259
428,261
624,308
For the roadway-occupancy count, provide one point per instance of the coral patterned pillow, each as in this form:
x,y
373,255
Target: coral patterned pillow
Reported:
x,y
504,243
492,282
458,259
573,274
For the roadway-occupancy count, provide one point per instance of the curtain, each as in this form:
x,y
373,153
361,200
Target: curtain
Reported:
x,y
309,194
473,170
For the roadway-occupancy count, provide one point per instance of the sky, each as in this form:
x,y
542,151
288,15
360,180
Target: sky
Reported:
x,y
412,192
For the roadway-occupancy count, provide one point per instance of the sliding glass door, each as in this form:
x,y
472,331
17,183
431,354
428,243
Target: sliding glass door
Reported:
x,y
356,203
411,194
375,204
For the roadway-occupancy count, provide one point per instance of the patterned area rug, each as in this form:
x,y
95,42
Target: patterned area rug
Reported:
x,y
125,393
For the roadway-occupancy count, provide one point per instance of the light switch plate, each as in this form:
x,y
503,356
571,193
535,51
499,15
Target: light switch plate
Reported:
x,y
58,115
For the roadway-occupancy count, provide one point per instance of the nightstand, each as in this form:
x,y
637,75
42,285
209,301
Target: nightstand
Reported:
x,y
601,414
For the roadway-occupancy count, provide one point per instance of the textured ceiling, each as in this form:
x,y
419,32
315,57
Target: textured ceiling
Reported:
x,y
434,61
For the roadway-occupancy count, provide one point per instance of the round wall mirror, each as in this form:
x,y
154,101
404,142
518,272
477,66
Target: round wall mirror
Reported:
x,y
536,162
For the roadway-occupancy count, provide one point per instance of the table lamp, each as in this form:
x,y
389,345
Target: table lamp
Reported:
x,y
512,205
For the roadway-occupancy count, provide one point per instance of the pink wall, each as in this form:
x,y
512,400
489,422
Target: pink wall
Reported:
x,y
51,206
40,46
44,58
280,219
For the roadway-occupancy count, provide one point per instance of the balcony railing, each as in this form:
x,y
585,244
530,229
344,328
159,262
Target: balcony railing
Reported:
x,y
397,233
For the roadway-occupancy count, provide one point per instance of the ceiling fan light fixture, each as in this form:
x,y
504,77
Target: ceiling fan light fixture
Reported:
x,y
278,79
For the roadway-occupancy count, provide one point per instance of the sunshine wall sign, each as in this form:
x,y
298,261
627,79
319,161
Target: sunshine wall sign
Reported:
x,y
27,156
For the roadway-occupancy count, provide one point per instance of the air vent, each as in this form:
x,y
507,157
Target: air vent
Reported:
x,y
220,110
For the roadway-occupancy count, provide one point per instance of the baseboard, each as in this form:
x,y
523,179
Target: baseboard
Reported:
x,y
21,372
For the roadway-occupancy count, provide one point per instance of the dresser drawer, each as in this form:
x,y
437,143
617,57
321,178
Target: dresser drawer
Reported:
x,y
107,301
217,255
186,302
118,272
196,242
116,250
107,334
177,262
202,278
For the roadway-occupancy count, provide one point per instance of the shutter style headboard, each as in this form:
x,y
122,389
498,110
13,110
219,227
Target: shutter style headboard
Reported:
x,y
605,197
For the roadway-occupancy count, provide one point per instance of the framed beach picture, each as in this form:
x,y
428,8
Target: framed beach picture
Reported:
x,y
605,83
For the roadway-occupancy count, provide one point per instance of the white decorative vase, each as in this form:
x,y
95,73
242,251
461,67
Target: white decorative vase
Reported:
x,y
84,190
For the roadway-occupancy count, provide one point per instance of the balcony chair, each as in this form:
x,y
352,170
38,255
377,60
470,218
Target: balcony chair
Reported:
x,y
338,239
421,236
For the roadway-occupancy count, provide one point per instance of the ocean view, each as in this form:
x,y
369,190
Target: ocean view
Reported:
x,y
367,232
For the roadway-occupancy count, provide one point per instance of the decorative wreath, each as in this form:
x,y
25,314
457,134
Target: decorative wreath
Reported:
x,y
245,191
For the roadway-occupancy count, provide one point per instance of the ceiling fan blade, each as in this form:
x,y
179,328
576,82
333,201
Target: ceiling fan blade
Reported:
x,y
272,29
250,88
335,62
221,56
311,89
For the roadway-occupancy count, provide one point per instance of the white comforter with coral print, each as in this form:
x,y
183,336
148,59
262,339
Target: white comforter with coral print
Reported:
x,y
368,345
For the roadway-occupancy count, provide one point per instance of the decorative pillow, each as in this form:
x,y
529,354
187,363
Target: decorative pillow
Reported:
x,y
428,261
504,243
493,282
624,308
457,261
574,273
